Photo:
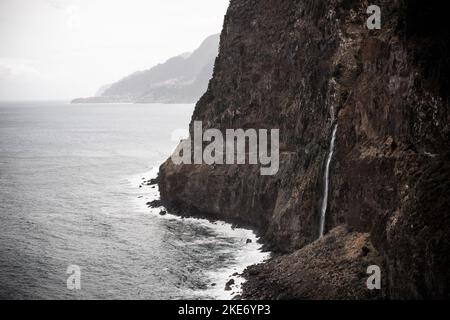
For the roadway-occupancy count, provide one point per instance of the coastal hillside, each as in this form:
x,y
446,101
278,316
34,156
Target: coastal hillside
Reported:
x,y
182,79
311,68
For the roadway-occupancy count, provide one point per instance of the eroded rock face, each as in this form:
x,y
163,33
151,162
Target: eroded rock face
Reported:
x,y
334,267
287,64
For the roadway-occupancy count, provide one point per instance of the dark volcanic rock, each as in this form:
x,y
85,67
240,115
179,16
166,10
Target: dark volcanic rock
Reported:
x,y
287,64
154,204
229,284
151,182
330,268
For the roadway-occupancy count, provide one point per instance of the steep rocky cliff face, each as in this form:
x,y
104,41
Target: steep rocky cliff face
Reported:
x,y
302,67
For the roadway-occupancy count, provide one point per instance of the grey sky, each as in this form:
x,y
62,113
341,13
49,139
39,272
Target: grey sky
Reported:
x,y
61,49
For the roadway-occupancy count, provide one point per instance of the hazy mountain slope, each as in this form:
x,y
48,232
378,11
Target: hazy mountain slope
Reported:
x,y
181,79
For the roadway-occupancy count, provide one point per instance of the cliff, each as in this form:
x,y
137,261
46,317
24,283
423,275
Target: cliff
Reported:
x,y
181,79
302,67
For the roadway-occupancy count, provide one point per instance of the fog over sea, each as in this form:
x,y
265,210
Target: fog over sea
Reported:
x,y
70,195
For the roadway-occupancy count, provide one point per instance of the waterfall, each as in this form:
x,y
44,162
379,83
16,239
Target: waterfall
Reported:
x,y
326,181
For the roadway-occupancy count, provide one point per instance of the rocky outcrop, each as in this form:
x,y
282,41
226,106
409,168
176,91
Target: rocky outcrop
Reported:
x,y
292,65
331,267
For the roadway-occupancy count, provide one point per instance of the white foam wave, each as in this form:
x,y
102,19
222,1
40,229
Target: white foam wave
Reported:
x,y
249,251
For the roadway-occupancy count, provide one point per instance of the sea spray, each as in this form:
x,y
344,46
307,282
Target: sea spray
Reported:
x,y
326,181
242,243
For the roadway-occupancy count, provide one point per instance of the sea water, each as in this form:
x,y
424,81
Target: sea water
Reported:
x,y
70,195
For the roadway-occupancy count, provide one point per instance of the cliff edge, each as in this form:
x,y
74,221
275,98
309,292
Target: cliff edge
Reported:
x,y
304,67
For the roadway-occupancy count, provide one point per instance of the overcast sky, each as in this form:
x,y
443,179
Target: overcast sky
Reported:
x,y
62,49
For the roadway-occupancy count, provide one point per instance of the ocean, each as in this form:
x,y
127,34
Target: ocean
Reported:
x,y
70,194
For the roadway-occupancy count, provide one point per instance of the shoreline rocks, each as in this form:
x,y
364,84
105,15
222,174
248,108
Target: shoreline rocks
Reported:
x,y
333,267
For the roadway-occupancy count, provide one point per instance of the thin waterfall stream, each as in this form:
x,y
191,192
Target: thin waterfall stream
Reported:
x,y
326,181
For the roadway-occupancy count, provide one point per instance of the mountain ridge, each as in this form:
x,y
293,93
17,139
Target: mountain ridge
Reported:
x,y
180,79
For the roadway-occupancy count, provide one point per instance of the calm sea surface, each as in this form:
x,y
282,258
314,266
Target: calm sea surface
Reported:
x,y
69,195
